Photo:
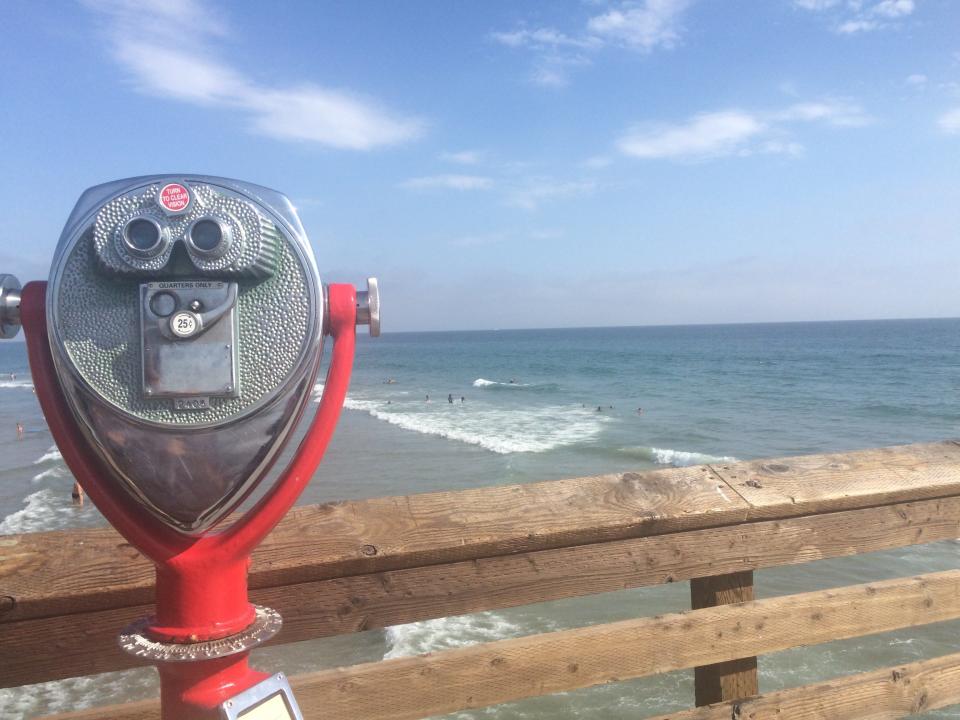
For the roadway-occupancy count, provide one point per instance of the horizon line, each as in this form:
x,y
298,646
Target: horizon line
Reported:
x,y
676,325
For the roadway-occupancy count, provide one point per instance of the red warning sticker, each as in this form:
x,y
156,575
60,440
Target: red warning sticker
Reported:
x,y
174,197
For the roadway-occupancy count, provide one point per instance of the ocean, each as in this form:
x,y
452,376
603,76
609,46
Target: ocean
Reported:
x,y
543,404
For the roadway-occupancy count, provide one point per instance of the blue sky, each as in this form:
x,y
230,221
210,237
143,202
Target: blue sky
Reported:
x,y
525,164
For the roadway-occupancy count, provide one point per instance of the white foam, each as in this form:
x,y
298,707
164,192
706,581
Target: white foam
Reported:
x,y
498,430
449,632
57,471
21,384
676,458
60,696
50,455
43,510
483,382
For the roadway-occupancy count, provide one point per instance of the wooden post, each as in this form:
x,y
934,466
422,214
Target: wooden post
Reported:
x,y
734,679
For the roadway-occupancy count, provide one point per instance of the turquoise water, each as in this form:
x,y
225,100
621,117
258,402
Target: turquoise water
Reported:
x,y
530,412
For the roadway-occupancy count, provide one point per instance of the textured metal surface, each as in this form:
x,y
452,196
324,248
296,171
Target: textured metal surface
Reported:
x,y
9,306
98,322
133,639
251,252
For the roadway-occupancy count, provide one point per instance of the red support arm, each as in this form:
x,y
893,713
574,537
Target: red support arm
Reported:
x,y
201,582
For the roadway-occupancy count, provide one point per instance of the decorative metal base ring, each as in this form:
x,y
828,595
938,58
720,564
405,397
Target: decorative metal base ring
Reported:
x,y
134,640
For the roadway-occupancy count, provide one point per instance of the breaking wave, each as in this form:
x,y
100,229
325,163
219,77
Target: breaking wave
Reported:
x,y
43,510
485,384
499,430
449,632
21,384
675,458
49,456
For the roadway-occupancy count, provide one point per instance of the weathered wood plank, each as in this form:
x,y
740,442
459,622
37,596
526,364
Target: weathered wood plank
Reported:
x,y
506,670
782,487
344,605
879,695
733,679
59,573
887,694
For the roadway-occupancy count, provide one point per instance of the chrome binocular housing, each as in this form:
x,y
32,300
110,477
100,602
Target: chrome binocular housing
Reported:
x,y
185,316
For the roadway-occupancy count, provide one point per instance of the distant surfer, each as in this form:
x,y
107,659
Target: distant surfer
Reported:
x,y
599,409
77,493
639,411
19,431
450,398
513,381
462,399
428,398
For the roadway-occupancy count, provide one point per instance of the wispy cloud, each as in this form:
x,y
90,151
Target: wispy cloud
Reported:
x,y
595,162
448,182
850,17
544,38
462,157
704,135
169,63
640,25
534,192
841,113
949,122
553,70
737,132
646,26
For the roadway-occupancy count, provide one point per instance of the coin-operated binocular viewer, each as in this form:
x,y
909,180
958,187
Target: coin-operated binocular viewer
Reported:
x,y
173,351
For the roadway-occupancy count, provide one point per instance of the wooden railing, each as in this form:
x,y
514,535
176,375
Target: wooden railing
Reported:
x,y
345,567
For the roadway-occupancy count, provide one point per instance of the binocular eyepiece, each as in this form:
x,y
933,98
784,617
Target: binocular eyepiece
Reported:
x,y
186,321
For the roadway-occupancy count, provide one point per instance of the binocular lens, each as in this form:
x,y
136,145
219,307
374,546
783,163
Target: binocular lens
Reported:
x,y
143,237
206,235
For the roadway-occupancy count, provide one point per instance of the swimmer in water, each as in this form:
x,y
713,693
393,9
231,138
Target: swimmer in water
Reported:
x,y
462,398
77,493
450,398
599,409
428,398
19,431
640,411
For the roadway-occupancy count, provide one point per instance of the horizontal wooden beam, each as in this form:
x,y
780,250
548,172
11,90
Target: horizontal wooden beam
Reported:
x,y
507,670
887,694
879,695
85,643
59,573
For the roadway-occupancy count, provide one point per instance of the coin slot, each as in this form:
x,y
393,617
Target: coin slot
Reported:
x,y
163,304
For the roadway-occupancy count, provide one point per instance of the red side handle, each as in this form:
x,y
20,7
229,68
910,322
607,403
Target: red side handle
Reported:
x,y
246,534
